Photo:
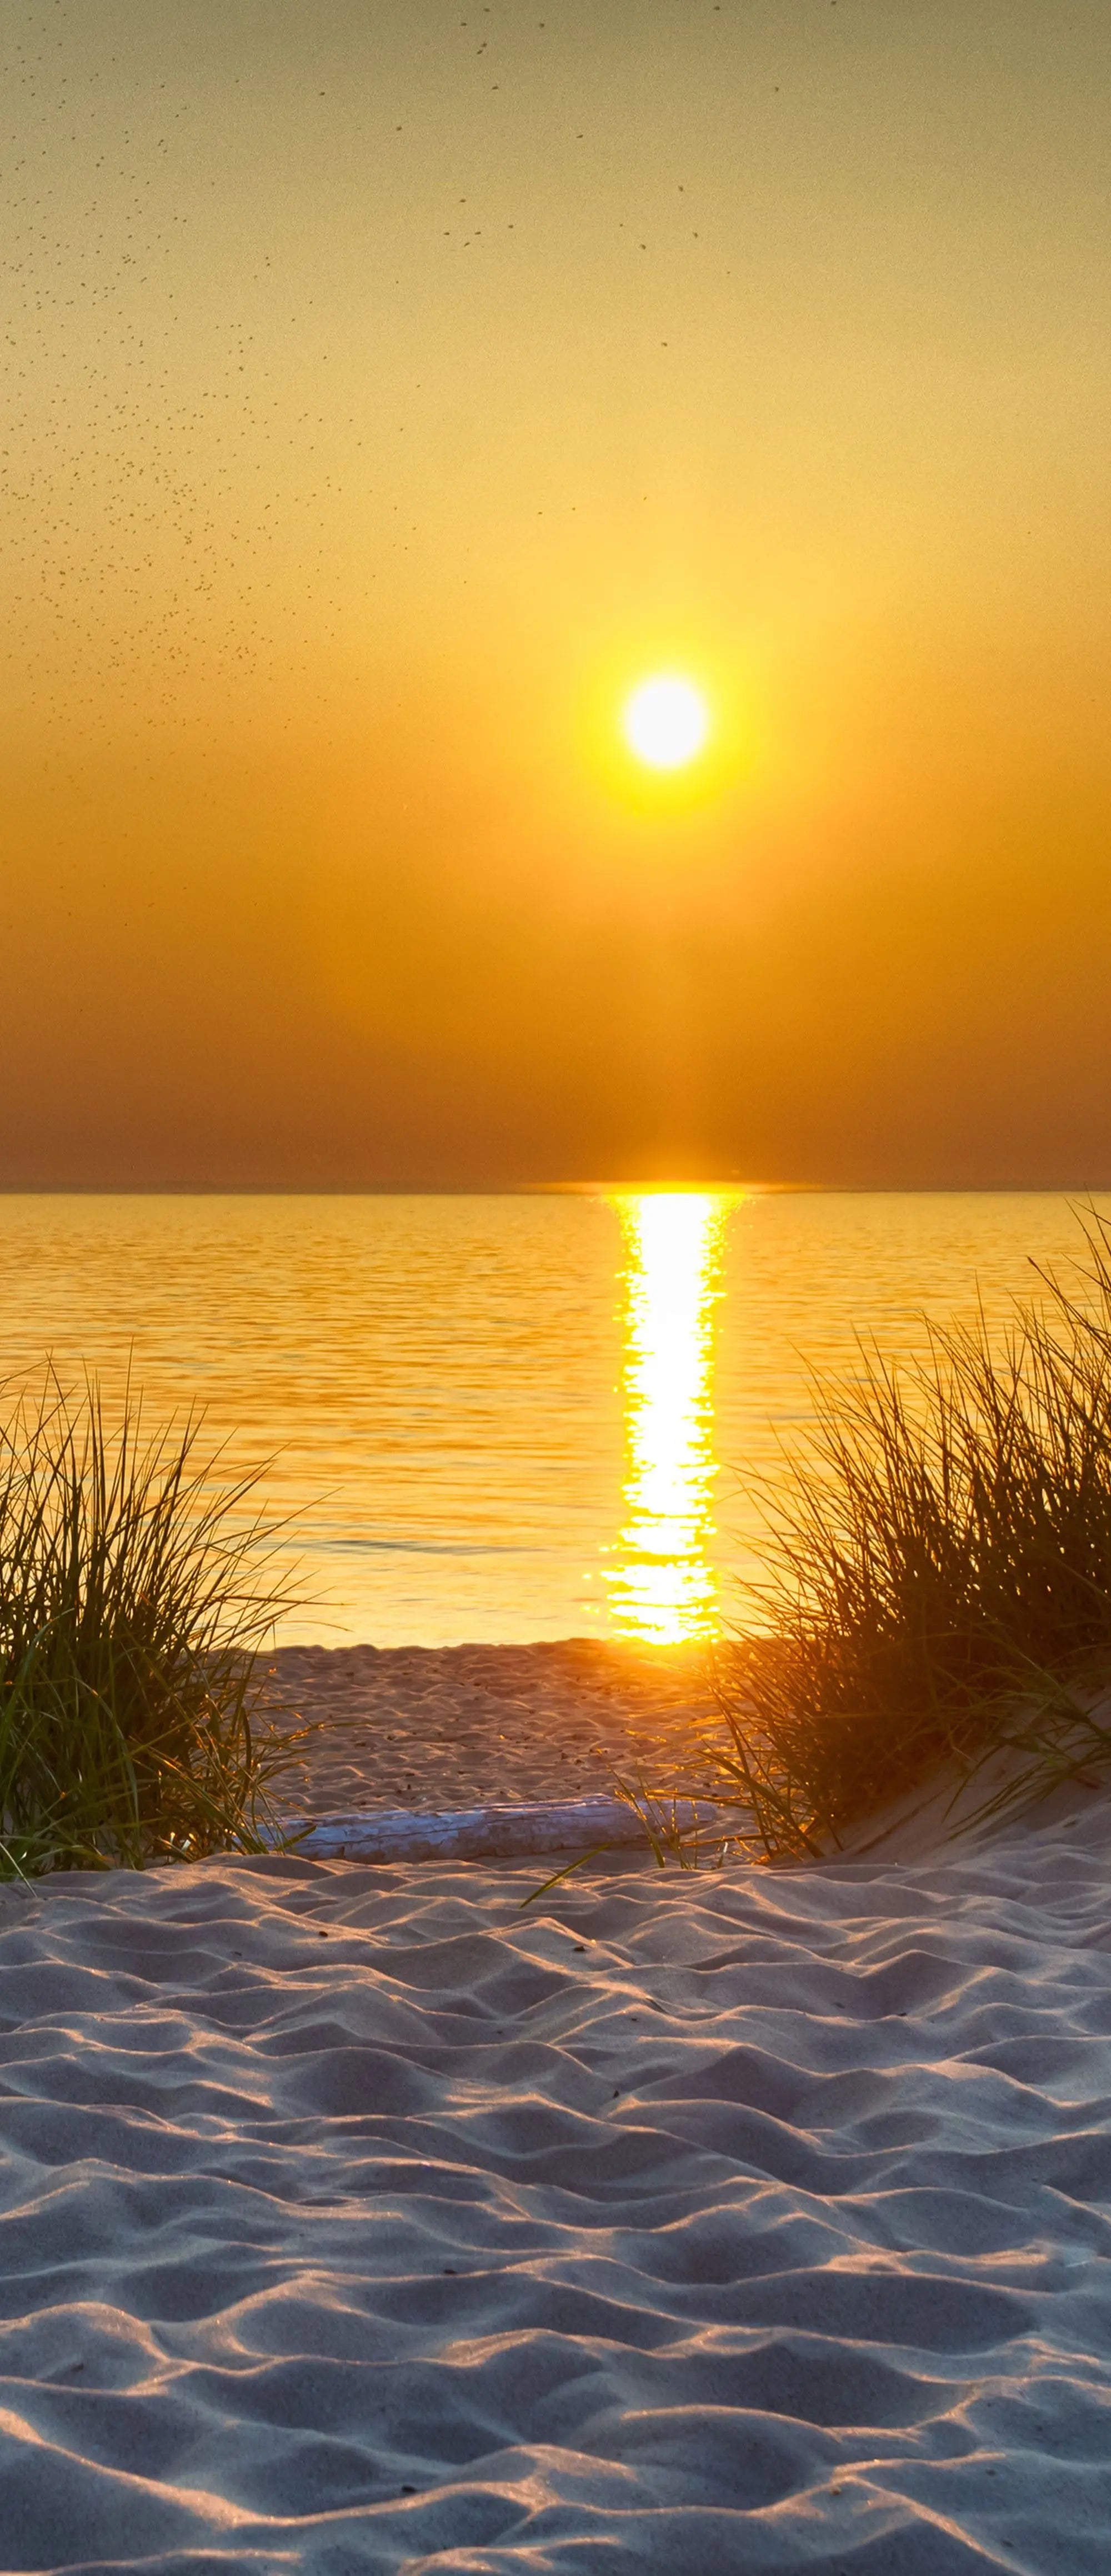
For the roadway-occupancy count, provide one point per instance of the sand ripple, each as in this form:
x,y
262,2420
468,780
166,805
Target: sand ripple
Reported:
x,y
354,2220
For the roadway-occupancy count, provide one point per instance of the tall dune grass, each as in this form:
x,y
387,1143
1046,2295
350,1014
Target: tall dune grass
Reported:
x,y
937,1580
136,1596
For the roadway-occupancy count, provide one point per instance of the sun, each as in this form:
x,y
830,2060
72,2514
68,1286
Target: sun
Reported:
x,y
666,721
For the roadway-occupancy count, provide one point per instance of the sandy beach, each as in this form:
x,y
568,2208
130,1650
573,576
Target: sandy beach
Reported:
x,y
356,2218
454,1726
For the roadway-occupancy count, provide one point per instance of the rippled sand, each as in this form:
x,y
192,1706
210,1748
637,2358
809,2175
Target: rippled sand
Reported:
x,y
354,2219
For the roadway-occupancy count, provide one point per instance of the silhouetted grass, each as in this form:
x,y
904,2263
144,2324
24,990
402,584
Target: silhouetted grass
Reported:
x,y
135,1599
937,1581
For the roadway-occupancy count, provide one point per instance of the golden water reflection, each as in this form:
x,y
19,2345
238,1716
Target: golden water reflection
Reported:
x,y
662,1580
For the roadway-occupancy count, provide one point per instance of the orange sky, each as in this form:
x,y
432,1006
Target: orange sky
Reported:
x,y
389,387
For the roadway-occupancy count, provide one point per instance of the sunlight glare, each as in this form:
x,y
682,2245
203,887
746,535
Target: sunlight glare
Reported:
x,y
663,1585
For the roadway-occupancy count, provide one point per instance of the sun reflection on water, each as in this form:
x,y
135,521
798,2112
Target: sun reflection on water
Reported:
x,y
662,1581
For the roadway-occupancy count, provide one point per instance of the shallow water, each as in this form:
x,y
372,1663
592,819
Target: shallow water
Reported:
x,y
504,1417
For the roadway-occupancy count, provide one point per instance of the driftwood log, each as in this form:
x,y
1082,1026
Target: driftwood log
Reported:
x,y
481,1833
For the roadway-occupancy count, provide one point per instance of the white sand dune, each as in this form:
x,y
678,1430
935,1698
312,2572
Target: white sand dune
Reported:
x,y
753,2221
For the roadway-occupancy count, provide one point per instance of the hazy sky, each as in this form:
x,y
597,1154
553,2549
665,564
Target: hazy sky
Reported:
x,y
390,384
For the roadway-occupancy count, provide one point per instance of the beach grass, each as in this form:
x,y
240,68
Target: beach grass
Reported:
x,y
936,1593
137,1593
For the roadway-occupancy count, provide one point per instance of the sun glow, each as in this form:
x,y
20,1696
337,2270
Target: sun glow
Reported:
x,y
663,1583
666,722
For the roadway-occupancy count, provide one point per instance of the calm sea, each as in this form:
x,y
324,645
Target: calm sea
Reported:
x,y
503,1418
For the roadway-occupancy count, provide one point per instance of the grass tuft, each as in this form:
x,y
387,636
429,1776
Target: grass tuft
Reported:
x,y
937,1583
136,1598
